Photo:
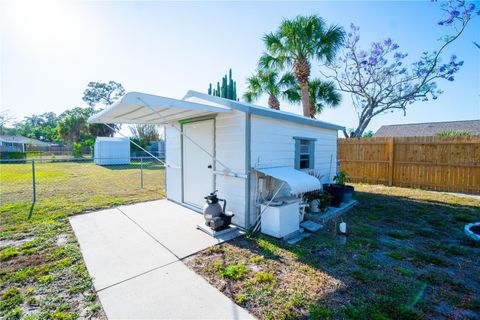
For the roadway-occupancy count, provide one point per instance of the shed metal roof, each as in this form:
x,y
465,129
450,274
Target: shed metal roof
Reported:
x,y
136,107
142,108
261,111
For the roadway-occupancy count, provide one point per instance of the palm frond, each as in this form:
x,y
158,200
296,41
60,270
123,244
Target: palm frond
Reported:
x,y
330,42
292,95
324,94
270,62
273,42
287,80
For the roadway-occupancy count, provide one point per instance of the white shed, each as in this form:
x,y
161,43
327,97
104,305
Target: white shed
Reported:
x,y
219,144
111,151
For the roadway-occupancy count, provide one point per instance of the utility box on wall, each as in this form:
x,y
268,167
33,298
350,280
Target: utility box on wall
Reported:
x,y
112,151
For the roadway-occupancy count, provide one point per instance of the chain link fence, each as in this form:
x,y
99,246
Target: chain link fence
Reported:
x,y
80,180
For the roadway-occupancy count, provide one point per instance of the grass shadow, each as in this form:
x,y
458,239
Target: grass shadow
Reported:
x,y
399,261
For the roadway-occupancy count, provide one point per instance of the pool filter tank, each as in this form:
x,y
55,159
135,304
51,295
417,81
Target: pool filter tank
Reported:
x,y
214,213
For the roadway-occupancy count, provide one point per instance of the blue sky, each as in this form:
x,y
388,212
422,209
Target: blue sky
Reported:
x,y
50,50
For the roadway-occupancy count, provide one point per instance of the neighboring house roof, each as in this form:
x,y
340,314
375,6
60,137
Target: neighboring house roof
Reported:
x,y
261,111
22,140
427,129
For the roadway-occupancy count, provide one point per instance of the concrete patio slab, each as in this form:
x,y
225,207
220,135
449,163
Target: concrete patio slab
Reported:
x,y
133,253
115,249
171,292
174,226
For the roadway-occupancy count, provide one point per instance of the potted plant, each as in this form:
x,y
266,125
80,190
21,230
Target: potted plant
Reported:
x,y
318,201
312,198
341,179
324,201
336,192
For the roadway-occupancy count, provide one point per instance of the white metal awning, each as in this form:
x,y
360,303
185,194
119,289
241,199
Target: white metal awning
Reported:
x,y
142,108
298,181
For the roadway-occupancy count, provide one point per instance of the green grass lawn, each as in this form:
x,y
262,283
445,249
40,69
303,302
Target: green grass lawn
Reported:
x,y
42,274
405,257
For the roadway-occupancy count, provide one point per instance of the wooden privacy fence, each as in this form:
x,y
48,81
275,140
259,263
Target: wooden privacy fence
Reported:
x,y
437,163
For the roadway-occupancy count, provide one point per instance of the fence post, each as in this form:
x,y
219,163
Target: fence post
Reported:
x,y
141,172
390,163
33,182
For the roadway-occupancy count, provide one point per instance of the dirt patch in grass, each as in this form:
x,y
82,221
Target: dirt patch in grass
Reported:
x,y
42,273
406,257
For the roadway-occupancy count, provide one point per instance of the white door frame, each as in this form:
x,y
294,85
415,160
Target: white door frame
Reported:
x,y
182,140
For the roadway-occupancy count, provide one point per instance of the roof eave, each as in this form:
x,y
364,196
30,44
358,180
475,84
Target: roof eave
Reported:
x,y
261,111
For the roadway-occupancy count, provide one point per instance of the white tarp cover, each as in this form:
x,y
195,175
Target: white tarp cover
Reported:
x,y
142,108
298,181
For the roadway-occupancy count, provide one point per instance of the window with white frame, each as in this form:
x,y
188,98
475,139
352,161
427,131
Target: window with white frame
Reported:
x,y
304,153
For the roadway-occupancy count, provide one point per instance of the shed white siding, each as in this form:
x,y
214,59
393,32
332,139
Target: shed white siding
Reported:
x,y
230,149
111,151
173,157
273,144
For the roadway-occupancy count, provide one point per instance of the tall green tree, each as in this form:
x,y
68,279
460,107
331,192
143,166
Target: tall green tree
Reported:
x,y
271,83
145,133
5,119
296,43
99,95
41,127
322,94
72,124
102,94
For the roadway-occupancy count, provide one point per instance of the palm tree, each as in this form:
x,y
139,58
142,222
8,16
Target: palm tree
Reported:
x,y
321,93
269,82
296,43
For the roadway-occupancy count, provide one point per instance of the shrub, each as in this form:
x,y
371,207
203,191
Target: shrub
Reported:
x,y
324,198
341,178
264,277
235,271
8,252
240,299
257,259
454,133
12,155
10,299
77,150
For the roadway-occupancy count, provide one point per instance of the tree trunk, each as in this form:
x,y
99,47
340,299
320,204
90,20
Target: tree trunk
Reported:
x,y
313,111
364,120
273,102
305,99
301,69
357,133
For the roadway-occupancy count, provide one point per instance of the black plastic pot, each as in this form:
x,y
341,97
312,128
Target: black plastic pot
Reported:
x,y
336,192
348,192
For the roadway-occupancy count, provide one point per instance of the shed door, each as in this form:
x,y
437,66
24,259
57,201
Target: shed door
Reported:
x,y
197,165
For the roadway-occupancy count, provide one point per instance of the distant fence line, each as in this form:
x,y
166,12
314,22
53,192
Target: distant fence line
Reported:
x,y
436,163
56,150
42,178
67,151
